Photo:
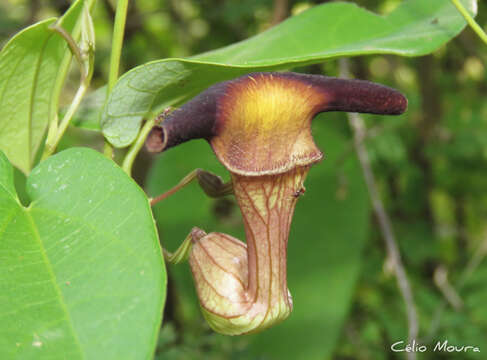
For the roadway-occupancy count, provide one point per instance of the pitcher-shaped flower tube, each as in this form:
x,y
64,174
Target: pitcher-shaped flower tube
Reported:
x,y
259,127
242,287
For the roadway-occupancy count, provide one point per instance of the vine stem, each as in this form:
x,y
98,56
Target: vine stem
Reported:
x,y
470,20
85,59
51,145
358,127
117,42
136,146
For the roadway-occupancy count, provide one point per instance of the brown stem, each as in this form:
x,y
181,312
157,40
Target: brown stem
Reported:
x,y
281,8
358,127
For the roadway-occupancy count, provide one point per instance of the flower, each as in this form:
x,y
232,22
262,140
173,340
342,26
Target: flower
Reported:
x,y
259,126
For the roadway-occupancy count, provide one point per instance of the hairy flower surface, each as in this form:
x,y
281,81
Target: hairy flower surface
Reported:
x,y
259,127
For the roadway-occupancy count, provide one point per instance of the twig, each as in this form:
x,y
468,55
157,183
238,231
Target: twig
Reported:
x,y
474,262
440,278
358,127
471,266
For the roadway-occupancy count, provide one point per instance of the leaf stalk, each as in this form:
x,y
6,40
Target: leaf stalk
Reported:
x,y
136,146
470,20
84,54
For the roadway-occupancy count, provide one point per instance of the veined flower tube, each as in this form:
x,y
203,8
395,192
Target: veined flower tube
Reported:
x,y
259,127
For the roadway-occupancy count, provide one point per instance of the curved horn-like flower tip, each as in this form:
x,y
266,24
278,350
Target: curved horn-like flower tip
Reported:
x,y
260,124
194,120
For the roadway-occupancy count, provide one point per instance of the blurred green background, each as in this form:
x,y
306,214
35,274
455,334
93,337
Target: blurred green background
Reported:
x,y
430,163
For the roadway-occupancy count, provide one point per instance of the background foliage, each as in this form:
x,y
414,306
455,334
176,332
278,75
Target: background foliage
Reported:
x,y
431,164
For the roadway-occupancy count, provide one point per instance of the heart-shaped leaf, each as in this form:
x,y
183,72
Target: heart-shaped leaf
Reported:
x,y
81,271
416,27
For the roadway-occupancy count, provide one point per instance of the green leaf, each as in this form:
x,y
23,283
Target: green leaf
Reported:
x,y
416,27
328,233
29,86
81,271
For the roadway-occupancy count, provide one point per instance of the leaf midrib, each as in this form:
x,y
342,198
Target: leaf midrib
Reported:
x,y
53,280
